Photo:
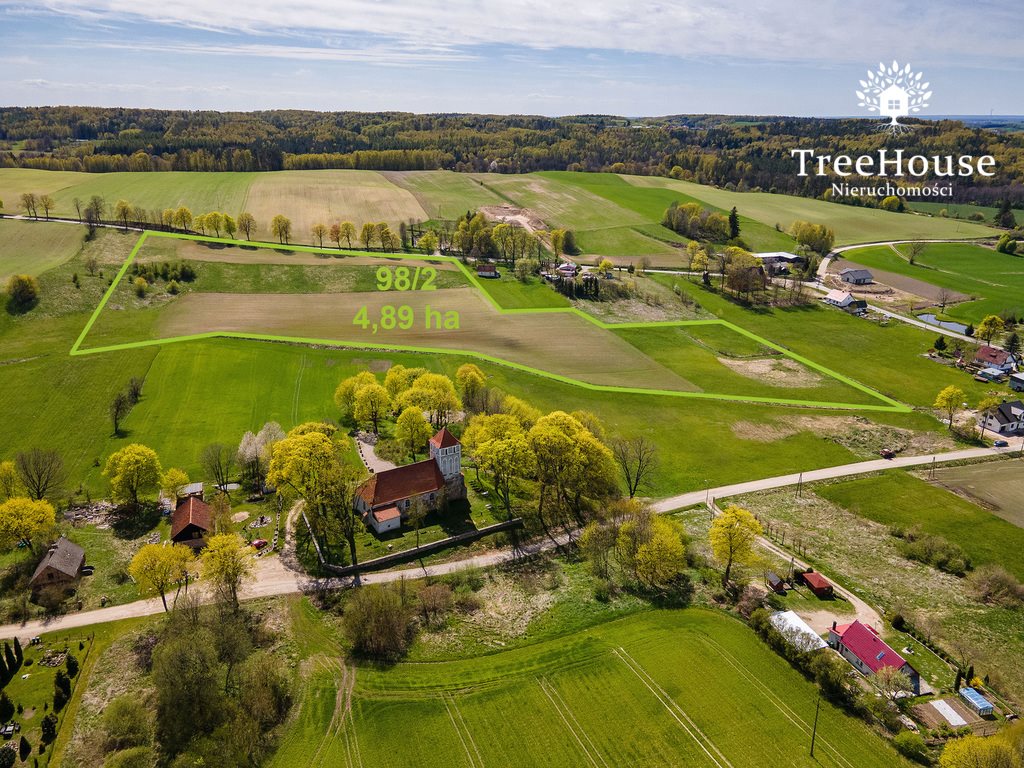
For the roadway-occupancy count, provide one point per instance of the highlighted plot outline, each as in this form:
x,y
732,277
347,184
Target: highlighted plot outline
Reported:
x,y
884,404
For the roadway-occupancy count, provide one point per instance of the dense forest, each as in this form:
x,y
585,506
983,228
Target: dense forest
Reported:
x,y
740,152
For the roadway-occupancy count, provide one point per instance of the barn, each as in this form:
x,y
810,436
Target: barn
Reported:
x,y
817,583
62,564
191,521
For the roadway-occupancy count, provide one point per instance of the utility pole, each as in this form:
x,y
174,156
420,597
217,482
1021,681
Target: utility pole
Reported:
x,y
933,467
814,733
800,486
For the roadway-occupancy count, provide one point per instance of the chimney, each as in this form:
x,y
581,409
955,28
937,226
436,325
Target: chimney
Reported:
x,y
833,624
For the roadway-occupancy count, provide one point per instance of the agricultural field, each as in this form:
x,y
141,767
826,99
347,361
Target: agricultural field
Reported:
x,y
509,293
995,280
996,487
621,693
24,252
955,210
444,194
899,499
851,224
886,356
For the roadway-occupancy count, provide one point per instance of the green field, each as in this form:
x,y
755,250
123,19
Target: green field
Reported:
x,y
995,486
445,194
691,687
896,498
510,293
851,224
955,210
28,251
996,279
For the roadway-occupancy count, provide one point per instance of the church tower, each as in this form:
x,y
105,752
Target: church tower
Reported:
x,y
446,450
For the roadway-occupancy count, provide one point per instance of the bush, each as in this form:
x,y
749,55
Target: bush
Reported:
x,y
139,286
994,585
911,745
136,757
24,749
126,723
49,728
377,623
22,292
7,757
71,664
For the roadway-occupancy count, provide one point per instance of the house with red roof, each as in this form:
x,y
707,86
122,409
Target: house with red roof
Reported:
x,y
861,645
191,521
993,357
384,500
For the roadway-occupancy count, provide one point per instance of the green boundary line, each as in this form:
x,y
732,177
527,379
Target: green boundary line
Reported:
x,y
891,405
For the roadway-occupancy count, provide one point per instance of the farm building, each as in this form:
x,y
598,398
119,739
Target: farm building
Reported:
x,y
775,583
841,299
976,701
191,521
487,270
817,583
775,262
796,631
856,307
568,269
860,645
386,497
1007,419
61,564
1017,382
192,489
856,276
993,357
992,374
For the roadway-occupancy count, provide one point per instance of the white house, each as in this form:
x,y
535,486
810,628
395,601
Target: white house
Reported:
x,y
841,299
1007,419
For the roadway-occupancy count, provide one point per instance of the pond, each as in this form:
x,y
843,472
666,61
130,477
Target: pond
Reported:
x,y
932,320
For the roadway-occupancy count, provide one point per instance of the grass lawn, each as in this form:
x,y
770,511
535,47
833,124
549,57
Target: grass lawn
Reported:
x,y
955,210
897,498
27,249
995,279
889,358
511,293
620,693
651,202
851,224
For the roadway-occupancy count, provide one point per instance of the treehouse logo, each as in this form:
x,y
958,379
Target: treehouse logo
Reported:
x,y
894,92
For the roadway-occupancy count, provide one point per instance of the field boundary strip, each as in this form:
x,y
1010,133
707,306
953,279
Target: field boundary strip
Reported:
x,y
887,404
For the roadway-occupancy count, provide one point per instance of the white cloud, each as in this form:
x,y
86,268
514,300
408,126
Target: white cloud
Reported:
x,y
803,30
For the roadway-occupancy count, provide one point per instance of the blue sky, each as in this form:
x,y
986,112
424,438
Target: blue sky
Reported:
x,y
551,57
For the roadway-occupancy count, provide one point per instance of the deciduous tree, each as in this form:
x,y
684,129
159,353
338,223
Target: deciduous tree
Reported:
x,y
990,327
132,471
22,292
246,224
120,406
41,471
412,429
172,482
159,568
218,461
949,401
227,562
25,520
637,458
732,537
371,405
319,233
281,228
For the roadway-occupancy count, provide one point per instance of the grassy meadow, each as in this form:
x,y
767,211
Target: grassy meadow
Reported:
x,y
664,688
995,280
28,251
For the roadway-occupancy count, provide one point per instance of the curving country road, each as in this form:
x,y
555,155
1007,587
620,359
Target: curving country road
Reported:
x,y
273,578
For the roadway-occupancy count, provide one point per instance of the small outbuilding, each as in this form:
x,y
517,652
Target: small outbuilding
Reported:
x,y
775,583
856,276
1017,382
191,521
62,564
487,270
817,583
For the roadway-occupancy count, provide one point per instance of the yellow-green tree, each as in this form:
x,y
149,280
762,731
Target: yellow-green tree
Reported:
x,y
662,557
399,378
183,218
132,471
557,242
412,429
525,413
605,267
471,382
500,448
159,568
949,401
10,483
433,393
348,232
428,242
345,394
732,536
368,235
246,224
319,233
281,228
227,563
25,520
979,752
230,226
990,327
172,481
371,405
123,212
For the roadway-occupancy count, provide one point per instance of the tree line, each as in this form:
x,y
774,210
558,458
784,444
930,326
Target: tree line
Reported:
x,y
744,153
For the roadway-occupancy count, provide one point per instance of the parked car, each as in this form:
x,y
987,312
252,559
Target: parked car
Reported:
x,y
88,570
1000,444
887,453
260,543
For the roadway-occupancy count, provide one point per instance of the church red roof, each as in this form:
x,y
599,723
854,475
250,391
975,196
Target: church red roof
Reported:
x,y
402,482
444,439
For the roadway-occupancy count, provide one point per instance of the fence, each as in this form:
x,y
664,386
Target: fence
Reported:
x,y
409,555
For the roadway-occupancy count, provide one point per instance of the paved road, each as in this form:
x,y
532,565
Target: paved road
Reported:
x,y
273,578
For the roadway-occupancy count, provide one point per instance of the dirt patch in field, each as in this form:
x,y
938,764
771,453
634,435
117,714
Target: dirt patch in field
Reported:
x,y
375,366
893,288
777,371
524,217
860,436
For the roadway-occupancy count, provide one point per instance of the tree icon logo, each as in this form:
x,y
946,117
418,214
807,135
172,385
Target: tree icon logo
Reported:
x,y
893,92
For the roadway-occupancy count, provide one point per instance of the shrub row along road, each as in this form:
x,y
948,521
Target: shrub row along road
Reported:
x,y
273,578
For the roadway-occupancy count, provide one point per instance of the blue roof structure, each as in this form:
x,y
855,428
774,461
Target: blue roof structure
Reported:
x,y
978,703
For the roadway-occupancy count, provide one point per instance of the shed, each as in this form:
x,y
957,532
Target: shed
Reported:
x,y
775,583
61,564
818,584
487,270
992,374
976,701
192,489
1017,382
